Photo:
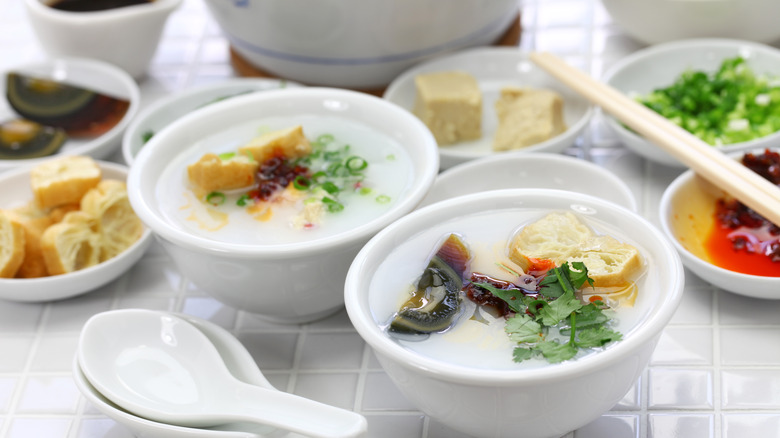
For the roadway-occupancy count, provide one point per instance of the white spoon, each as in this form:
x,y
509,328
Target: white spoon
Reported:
x,y
159,366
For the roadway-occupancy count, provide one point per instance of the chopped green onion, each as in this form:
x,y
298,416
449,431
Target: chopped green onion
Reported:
x,y
216,198
383,199
227,155
333,205
146,136
301,182
365,190
355,163
390,157
242,200
325,138
330,187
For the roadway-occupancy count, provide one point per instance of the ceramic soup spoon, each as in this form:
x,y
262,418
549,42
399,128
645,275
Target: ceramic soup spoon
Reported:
x,y
161,367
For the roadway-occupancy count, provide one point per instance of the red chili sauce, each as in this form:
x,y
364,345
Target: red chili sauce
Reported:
x,y
741,239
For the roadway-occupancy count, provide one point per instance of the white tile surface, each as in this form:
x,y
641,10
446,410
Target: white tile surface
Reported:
x,y
715,374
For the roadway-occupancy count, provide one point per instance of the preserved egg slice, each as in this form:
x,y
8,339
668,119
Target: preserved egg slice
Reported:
x,y
79,111
20,139
436,300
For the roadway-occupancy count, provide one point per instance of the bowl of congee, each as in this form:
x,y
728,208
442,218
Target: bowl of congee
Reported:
x,y
516,312
263,200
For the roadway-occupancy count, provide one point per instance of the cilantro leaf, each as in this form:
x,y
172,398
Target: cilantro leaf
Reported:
x,y
514,298
521,353
562,279
597,337
522,328
553,312
556,352
590,315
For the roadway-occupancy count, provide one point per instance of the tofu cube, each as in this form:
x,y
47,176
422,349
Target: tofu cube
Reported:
x,y
212,173
526,117
450,104
286,143
63,181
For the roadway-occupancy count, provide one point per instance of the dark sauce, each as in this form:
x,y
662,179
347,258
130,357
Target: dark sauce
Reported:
x,y
94,5
483,297
274,175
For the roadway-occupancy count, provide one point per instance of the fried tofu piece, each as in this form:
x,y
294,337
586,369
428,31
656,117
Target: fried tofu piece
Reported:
x,y
116,222
450,105
285,143
72,244
34,221
562,237
11,246
63,181
527,117
212,173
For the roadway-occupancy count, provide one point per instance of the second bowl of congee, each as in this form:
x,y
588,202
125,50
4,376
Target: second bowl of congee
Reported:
x,y
526,301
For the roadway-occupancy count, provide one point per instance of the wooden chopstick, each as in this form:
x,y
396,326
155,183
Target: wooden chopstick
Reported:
x,y
726,173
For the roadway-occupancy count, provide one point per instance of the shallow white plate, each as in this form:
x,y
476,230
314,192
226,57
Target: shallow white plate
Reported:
x,y
527,171
167,110
16,192
495,68
94,75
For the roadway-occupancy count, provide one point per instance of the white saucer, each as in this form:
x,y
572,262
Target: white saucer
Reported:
x,y
94,75
166,110
495,68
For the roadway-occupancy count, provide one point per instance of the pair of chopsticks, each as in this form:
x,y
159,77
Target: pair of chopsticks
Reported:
x,y
726,173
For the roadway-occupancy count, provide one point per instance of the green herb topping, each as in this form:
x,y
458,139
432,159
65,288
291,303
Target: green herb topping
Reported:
x,y
543,323
729,106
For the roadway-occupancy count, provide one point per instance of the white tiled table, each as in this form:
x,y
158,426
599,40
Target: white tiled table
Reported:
x,y
716,372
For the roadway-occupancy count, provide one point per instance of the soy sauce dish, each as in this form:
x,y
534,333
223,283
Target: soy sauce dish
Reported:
x,y
310,174
466,371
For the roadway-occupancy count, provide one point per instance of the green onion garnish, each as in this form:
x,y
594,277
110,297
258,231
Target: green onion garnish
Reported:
x,y
383,199
365,190
227,155
325,138
330,187
333,205
355,164
146,136
216,198
301,182
241,202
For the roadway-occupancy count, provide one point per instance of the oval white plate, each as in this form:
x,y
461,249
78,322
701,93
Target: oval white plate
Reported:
x,y
526,171
167,110
94,75
495,68
16,192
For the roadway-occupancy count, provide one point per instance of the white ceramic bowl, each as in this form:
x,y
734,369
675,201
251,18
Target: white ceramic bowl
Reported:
x,y
661,21
686,214
94,75
659,66
16,192
530,171
238,361
126,37
546,401
287,282
356,43
166,110
495,68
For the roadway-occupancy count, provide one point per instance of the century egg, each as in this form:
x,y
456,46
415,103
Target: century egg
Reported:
x,y
93,5
80,111
20,139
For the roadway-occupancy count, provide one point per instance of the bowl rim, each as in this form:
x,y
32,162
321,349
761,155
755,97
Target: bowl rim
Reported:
x,y
542,159
645,332
91,278
162,227
659,50
172,102
689,259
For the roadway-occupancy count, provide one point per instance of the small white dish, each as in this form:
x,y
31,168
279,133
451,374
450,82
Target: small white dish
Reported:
x,y
495,68
16,192
539,171
661,65
94,75
166,110
237,359
684,203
